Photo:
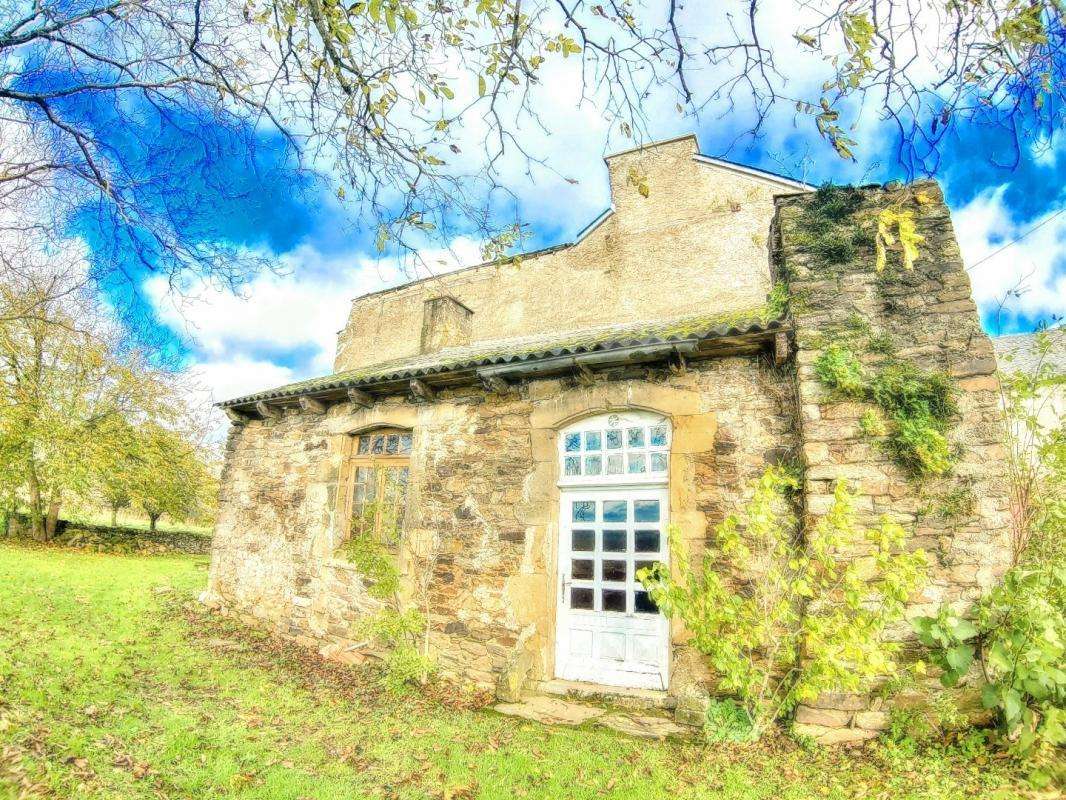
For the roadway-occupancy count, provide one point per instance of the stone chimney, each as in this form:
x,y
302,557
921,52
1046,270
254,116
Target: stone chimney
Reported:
x,y
445,323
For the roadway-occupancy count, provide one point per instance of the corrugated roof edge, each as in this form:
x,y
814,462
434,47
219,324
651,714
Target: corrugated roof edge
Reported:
x,y
367,377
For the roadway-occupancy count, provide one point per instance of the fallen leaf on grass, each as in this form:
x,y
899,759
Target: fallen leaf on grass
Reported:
x,y
459,792
139,769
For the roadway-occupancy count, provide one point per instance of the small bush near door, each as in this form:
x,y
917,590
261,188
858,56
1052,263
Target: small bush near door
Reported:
x,y
803,597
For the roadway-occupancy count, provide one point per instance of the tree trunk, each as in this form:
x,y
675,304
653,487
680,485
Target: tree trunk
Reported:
x,y
52,521
114,516
152,519
37,529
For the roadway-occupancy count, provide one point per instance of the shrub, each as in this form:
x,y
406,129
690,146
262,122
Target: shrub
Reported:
x,y
1018,637
826,230
728,721
918,446
872,423
902,390
802,598
838,368
835,203
403,665
374,563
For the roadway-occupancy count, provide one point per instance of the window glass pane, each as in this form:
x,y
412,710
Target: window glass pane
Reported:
x,y
635,437
392,443
581,598
614,440
614,541
646,510
658,462
582,541
614,570
614,465
593,440
364,445
593,465
614,600
405,443
572,442
572,465
643,604
581,569
636,463
366,482
658,435
393,505
614,511
584,511
379,444
646,541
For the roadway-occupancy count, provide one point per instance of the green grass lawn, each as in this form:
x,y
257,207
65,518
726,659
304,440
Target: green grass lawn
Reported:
x,y
113,683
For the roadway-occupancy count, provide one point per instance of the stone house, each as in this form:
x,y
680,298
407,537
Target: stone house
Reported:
x,y
541,420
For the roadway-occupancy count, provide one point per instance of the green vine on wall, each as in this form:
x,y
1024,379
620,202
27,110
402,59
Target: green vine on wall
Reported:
x,y
831,229
914,408
402,629
374,563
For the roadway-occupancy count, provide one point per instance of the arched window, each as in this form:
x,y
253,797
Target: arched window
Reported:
x,y
621,447
377,485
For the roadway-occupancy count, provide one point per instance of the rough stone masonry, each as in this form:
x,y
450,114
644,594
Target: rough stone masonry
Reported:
x,y
662,311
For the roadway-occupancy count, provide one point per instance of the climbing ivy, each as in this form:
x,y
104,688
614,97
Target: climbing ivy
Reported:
x,y
916,407
374,563
834,227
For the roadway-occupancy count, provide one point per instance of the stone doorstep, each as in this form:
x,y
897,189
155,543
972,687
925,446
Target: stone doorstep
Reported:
x,y
630,699
556,711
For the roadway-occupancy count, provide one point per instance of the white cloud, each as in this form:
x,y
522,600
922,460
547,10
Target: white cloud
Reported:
x,y
280,327
1034,266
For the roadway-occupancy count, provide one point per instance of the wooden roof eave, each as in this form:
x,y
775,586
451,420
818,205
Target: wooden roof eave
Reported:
x,y
495,375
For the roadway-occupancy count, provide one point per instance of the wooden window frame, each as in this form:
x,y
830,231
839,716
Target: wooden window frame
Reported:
x,y
379,462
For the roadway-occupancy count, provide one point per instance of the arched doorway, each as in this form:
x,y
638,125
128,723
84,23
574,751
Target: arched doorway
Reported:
x,y
613,495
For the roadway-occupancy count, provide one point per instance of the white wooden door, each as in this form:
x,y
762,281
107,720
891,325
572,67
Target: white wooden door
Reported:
x,y
609,631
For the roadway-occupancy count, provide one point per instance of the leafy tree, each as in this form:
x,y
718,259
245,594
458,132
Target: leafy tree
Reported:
x,y
169,476
67,380
114,471
781,619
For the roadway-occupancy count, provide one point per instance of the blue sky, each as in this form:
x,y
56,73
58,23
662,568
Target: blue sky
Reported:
x,y
281,327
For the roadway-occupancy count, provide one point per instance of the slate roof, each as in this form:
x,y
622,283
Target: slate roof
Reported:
x,y
1020,353
528,349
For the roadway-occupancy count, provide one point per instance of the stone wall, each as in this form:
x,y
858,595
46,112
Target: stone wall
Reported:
x,y
484,469
925,316
697,242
